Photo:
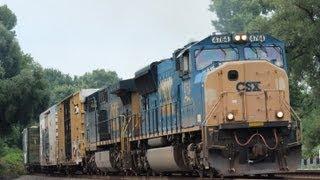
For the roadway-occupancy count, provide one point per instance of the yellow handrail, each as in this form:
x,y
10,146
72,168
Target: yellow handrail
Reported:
x,y
299,137
212,109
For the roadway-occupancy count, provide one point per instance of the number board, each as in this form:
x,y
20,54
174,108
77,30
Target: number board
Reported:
x,y
256,124
257,38
221,39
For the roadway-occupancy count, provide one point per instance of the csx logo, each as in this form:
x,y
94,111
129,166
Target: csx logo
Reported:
x,y
248,86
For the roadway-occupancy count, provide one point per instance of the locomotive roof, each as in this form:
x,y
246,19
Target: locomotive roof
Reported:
x,y
127,84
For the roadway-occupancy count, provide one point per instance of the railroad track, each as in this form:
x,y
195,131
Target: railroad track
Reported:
x,y
300,174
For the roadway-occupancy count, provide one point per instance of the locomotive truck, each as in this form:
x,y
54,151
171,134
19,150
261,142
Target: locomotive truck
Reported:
x,y
219,106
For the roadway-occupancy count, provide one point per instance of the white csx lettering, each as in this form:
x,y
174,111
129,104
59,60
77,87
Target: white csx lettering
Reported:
x,y
248,86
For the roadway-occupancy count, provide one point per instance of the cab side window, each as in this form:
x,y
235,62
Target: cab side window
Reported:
x,y
184,64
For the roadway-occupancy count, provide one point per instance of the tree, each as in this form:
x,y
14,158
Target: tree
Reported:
x,y
7,18
59,85
235,15
23,93
97,79
62,85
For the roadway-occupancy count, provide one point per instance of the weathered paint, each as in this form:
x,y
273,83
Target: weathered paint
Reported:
x,y
136,107
30,144
72,150
61,134
91,121
165,87
48,137
77,124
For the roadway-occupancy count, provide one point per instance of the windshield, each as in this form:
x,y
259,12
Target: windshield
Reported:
x,y
206,57
272,54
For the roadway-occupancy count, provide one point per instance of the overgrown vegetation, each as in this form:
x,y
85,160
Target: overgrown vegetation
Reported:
x,y
297,23
11,160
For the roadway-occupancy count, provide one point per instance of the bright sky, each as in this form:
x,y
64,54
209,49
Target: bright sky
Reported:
x,y
78,36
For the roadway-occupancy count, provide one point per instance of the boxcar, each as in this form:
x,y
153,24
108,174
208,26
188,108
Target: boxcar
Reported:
x,y
71,130
48,137
31,148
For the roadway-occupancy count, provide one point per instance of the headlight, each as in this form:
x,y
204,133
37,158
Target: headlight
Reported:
x,y
244,37
280,114
230,116
237,37
279,63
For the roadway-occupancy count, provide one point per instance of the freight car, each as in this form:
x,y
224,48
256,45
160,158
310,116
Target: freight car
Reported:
x,y
30,144
217,106
48,139
71,130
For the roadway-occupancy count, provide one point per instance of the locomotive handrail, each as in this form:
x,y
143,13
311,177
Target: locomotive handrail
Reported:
x,y
169,114
122,132
287,105
212,109
291,110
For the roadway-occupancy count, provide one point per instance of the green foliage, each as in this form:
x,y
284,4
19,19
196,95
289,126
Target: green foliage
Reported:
x,y
97,78
59,85
23,93
15,138
311,132
235,15
10,54
296,22
62,85
11,161
7,18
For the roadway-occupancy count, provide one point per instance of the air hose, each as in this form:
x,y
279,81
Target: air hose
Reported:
x,y
263,139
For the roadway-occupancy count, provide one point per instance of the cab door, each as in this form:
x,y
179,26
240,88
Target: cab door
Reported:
x,y
186,99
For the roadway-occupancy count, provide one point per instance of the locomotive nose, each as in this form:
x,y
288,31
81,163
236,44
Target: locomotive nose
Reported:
x,y
247,104
249,90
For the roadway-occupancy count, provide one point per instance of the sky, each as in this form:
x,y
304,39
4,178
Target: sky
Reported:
x,y
78,36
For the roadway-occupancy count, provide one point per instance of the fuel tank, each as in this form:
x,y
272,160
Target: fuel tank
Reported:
x,y
156,142
166,159
103,161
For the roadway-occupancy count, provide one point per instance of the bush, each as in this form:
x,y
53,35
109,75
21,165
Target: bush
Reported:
x,y
11,161
311,133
